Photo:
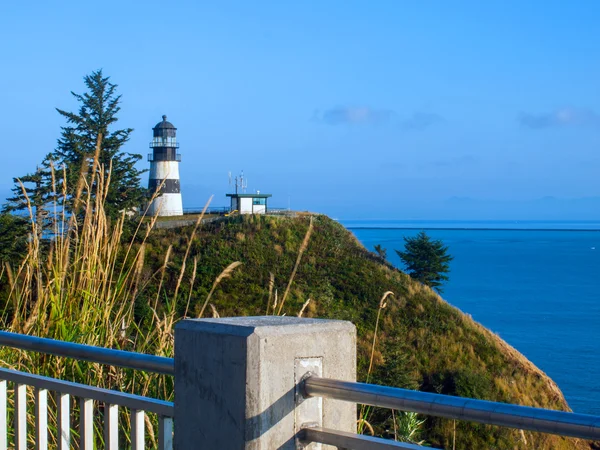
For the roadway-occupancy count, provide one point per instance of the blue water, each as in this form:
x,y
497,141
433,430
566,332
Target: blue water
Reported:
x,y
539,290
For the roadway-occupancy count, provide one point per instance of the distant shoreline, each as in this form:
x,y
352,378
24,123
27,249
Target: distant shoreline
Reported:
x,y
472,229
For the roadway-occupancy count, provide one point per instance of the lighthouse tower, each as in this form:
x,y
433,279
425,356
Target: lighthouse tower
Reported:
x,y
164,171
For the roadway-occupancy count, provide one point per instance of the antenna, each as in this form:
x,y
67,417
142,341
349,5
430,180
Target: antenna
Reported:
x,y
244,184
240,183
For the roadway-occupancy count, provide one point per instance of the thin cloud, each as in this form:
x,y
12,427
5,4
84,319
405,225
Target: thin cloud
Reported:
x,y
563,117
364,115
420,121
354,115
458,161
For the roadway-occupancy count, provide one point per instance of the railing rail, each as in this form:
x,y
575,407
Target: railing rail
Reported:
x,y
210,210
493,413
345,440
120,358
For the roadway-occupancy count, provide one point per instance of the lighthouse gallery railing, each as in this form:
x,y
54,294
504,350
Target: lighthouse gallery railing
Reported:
x,y
152,157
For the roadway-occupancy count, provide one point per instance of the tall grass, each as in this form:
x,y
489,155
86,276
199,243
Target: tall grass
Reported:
x,y
365,409
301,251
82,286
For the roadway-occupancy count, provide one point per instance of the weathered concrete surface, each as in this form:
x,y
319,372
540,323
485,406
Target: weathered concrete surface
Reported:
x,y
235,379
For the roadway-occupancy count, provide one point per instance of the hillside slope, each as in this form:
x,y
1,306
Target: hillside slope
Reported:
x,y
422,343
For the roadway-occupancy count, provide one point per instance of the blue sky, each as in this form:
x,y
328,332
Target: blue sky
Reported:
x,y
414,110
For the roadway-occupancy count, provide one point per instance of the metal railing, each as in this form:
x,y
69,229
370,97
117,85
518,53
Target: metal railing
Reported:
x,y
87,395
492,413
119,358
345,440
284,212
223,210
164,144
152,158
219,210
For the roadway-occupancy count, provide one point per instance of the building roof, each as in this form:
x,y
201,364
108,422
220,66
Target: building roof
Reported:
x,y
249,195
164,128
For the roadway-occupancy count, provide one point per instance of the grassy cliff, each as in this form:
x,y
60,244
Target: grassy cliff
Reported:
x,y
422,342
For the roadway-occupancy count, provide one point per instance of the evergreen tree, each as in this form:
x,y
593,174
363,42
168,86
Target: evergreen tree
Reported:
x,y
426,260
381,252
14,231
35,191
88,147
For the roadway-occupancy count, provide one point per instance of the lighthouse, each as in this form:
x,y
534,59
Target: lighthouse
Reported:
x,y
164,171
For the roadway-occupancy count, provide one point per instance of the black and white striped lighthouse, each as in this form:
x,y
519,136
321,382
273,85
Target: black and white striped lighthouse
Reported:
x,y
164,171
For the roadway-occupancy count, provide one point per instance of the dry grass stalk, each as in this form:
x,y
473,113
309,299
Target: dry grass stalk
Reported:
x,y
364,410
83,172
300,253
303,307
125,268
215,313
275,302
139,266
189,246
189,299
162,270
225,274
363,422
271,286
180,278
382,305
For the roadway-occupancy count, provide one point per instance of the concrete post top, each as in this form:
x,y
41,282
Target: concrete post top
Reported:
x,y
264,325
237,380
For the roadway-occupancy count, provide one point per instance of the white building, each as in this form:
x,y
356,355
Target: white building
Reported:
x,y
249,203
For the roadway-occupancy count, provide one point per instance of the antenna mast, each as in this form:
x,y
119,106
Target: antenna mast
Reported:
x,y
241,183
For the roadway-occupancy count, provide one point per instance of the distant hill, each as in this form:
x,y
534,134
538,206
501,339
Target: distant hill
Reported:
x,y
423,342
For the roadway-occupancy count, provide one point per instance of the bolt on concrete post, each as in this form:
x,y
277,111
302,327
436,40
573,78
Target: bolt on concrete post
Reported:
x,y
236,380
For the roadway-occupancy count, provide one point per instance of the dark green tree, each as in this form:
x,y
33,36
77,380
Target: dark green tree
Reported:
x,y
34,194
426,260
14,231
89,148
381,252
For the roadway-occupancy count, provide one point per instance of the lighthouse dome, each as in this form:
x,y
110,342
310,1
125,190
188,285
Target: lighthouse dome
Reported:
x,y
164,128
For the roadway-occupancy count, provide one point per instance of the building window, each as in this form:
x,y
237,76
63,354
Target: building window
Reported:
x,y
259,201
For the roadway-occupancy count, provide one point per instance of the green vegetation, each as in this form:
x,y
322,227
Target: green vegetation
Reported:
x,y
98,289
13,238
426,260
422,342
407,427
35,191
89,139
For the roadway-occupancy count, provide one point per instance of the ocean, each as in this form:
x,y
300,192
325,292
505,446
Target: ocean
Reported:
x,y
536,284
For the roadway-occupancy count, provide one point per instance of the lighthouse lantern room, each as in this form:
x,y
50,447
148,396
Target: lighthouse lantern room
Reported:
x,y
164,171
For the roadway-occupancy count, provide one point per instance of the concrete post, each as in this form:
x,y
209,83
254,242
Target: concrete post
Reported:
x,y
236,380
